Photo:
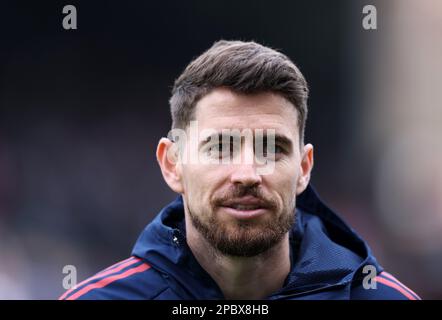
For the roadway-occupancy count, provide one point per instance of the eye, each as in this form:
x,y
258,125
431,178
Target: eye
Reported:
x,y
276,148
221,149
279,149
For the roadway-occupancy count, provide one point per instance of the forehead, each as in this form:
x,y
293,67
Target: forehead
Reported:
x,y
225,109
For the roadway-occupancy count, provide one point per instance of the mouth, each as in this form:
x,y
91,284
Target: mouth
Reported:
x,y
245,208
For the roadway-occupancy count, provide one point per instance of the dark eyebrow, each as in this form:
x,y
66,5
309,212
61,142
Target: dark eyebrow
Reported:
x,y
279,138
282,139
210,137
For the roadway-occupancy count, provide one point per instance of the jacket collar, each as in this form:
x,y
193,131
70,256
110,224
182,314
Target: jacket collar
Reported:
x,y
325,251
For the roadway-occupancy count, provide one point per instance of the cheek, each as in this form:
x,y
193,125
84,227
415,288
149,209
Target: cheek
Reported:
x,y
285,181
198,181
288,172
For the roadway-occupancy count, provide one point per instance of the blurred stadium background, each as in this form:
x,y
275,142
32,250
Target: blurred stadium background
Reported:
x,y
81,112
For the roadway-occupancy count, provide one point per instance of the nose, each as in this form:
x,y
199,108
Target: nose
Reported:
x,y
245,174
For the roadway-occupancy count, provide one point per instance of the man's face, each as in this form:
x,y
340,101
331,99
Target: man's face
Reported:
x,y
239,211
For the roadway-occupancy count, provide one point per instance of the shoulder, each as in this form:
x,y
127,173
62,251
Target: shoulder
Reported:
x,y
383,287
132,278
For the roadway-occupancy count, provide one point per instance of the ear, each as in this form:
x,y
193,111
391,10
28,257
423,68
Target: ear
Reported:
x,y
305,168
167,157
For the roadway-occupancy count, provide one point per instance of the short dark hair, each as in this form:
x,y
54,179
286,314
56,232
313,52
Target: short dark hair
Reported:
x,y
243,67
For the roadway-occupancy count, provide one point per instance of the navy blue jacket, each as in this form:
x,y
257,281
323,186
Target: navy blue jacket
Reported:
x,y
327,257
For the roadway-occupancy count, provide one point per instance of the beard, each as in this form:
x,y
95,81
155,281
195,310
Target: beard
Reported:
x,y
241,238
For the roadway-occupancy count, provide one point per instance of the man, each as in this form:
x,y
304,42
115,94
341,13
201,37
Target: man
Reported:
x,y
247,224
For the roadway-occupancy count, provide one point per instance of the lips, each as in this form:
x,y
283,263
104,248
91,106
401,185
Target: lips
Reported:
x,y
245,203
240,206
245,208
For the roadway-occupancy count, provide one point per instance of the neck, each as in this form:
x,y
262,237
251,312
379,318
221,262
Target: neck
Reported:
x,y
242,277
